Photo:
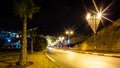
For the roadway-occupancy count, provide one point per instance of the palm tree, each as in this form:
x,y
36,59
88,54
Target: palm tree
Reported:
x,y
25,9
33,33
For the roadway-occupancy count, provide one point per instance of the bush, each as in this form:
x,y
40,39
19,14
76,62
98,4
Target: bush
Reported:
x,y
40,43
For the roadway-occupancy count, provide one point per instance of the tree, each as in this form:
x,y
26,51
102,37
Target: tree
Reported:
x,y
25,9
32,32
40,43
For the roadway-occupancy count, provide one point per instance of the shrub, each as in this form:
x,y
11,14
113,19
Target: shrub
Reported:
x,y
40,43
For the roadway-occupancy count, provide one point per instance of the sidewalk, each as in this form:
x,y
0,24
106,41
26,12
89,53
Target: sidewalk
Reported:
x,y
38,59
7,59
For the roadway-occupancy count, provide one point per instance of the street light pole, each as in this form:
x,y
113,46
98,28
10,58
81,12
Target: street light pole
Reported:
x,y
61,39
69,33
32,32
93,21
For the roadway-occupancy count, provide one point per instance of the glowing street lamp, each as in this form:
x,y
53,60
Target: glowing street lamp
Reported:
x,y
99,15
69,33
61,39
93,21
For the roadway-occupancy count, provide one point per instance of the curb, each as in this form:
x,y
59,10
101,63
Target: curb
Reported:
x,y
100,54
116,56
51,59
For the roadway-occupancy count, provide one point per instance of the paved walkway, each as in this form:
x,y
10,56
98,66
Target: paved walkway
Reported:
x,y
7,58
39,60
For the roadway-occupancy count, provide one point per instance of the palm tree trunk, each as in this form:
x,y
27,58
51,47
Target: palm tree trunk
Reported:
x,y
32,44
23,55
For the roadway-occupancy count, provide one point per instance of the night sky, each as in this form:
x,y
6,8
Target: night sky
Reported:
x,y
57,15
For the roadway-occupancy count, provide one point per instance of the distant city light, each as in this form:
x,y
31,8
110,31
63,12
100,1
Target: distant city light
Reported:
x,y
68,41
8,40
17,36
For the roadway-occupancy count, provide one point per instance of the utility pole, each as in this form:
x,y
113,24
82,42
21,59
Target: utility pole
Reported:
x,y
32,32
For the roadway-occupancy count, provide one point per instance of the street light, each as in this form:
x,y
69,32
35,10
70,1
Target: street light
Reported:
x,y
68,33
61,38
93,21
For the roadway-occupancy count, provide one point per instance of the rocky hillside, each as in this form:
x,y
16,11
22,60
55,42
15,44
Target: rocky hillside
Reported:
x,y
108,39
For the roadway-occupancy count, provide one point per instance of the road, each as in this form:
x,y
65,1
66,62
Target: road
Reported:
x,y
68,59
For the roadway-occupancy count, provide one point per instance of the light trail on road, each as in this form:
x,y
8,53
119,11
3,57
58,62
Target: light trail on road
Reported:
x,y
70,59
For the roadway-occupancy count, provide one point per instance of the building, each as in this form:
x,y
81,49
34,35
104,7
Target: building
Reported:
x,y
10,39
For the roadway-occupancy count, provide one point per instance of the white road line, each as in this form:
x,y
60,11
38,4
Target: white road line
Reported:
x,y
49,57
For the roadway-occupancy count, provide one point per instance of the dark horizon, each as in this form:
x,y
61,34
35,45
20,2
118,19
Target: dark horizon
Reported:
x,y
56,16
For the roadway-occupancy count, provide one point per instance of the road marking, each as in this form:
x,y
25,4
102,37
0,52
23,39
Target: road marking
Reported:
x,y
49,57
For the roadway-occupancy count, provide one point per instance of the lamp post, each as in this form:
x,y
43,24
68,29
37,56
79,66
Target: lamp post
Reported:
x,y
68,33
32,32
93,21
61,38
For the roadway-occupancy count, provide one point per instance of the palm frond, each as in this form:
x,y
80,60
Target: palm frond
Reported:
x,y
35,9
26,8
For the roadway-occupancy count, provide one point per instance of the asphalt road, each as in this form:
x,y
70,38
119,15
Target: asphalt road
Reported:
x,y
67,59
